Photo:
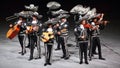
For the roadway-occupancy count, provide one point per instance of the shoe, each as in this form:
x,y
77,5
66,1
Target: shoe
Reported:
x,y
77,46
30,59
86,62
49,63
45,64
57,49
20,52
80,62
38,58
23,52
62,57
66,58
27,46
95,53
102,58
90,58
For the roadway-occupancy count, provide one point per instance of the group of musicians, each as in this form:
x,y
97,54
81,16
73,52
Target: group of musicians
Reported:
x,y
85,32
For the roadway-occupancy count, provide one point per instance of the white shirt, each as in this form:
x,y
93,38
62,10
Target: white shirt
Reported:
x,y
34,22
82,27
50,30
19,21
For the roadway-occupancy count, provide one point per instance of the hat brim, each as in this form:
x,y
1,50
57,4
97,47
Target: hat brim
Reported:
x,y
63,16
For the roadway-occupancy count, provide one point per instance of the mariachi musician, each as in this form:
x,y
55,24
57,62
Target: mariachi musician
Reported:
x,y
21,22
48,38
97,25
63,35
33,37
82,38
56,28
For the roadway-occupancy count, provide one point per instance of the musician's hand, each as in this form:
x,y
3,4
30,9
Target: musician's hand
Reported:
x,y
105,23
57,24
82,37
19,22
27,32
28,27
94,28
102,14
58,33
97,26
35,28
10,25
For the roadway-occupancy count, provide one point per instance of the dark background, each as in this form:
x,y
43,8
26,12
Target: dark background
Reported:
x,y
110,36
109,7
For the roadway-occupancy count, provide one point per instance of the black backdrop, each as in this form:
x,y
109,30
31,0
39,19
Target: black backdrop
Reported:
x,y
9,7
110,8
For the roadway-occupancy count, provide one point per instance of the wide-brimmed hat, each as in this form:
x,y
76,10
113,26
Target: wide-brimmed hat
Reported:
x,y
52,21
36,14
63,16
61,11
28,14
32,7
24,13
53,5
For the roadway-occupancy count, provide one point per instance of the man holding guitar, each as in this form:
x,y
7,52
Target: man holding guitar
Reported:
x,y
48,39
21,25
33,36
63,36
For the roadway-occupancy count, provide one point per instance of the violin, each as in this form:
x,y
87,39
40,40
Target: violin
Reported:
x,y
87,25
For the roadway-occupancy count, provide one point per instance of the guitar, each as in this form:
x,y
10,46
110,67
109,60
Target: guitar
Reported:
x,y
12,32
31,29
46,36
62,31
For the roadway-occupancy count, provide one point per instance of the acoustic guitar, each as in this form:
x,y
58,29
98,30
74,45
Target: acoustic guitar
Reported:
x,y
62,31
12,32
31,29
46,36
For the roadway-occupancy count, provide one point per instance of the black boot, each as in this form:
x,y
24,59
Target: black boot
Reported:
x,y
67,57
62,57
45,64
27,46
49,63
81,62
38,58
31,58
86,62
102,58
57,49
